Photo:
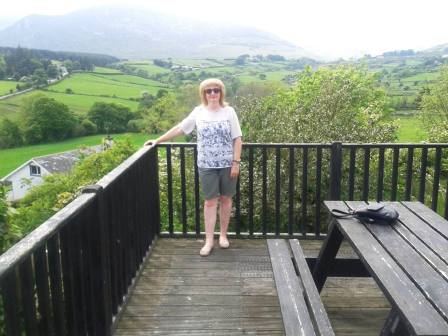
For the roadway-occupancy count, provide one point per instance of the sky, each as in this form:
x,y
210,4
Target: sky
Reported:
x,y
329,28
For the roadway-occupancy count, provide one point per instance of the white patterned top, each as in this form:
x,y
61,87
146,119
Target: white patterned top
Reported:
x,y
216,131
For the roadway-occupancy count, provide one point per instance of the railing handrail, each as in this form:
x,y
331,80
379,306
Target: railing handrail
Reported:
x,y
321,144
43,232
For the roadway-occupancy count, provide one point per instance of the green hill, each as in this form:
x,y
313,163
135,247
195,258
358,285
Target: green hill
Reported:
x,y
81,90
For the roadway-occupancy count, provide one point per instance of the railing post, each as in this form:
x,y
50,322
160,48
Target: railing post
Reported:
x,y
102,280
335,170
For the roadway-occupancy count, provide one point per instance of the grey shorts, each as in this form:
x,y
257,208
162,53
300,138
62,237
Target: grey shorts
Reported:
x,y
216,182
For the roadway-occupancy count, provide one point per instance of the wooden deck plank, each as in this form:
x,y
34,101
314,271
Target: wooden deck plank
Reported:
x,y
232,292
149,332
200,323
203,311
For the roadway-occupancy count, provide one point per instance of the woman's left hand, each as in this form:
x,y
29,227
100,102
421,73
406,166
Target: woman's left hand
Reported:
x,y
235,171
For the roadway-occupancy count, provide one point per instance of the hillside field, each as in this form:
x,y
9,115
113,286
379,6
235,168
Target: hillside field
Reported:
x,y
410,129
402,80
81,90
7,86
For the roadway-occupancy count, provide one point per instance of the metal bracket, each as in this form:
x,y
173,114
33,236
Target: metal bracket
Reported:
x,y
92,189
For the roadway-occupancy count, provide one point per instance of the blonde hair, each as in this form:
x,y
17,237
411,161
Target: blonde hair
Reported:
x,y
212,82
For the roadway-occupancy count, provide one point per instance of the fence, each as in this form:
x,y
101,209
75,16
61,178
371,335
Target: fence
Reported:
x,y
281,186
71,275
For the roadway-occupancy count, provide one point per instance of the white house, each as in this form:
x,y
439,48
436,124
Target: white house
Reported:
x,y
31,173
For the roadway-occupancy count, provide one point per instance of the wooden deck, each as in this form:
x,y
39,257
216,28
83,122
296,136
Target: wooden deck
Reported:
x,y
232,292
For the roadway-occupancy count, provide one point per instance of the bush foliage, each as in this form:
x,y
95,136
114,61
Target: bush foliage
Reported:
x,y
434,107
58,190
326,105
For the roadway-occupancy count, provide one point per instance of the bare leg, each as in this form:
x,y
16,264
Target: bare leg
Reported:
x,y
225,208
210,211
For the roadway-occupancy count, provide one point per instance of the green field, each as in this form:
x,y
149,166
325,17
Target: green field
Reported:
x,y
198,62
410,129
128,79
12,158
79,104
106,70
148,66
88,88
96,85
6,86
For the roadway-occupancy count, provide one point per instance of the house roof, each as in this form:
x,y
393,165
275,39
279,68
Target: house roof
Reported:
x,y
59,162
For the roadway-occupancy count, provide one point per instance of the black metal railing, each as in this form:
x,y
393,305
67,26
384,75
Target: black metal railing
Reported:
x,y
281,186
71,275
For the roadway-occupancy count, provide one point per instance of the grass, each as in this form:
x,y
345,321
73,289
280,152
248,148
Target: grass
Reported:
x,y
128,79
12,158
6,86
410,129
197,62
88,88
424,76
106,70
90,84
148,66
79,104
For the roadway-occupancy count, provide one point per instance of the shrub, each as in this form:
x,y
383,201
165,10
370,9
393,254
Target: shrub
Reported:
x,y
136,125
89,127
110,117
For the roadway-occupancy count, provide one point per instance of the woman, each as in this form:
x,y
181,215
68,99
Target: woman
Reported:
x,y
219,150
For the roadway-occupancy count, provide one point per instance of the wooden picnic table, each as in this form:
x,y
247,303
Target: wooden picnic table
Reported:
x,y
407,259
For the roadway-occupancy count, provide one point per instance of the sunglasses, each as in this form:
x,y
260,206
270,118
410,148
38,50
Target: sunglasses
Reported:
x,y
214,90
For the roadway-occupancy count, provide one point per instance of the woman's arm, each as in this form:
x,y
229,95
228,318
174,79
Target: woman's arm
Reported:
x,y
237,145
172,133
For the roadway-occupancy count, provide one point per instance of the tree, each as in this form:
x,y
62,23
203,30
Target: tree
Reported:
x,y
2,68
89,127
342,104
52,71
10,134
161,63
241,60
39,77
46,119
8,233
259,89
110,117
275,58
162,114
326,105
434,105
20,62
146,100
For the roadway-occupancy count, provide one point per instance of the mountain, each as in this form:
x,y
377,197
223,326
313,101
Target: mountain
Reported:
x,y
6,21
439,50
135,33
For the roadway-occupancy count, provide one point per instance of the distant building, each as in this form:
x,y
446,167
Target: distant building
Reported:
x,y
31,173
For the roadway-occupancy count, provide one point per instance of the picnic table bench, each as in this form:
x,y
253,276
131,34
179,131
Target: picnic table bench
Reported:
x,y
407,259
302,309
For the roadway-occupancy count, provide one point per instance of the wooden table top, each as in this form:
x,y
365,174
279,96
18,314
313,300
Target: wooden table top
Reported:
x,y
408,260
